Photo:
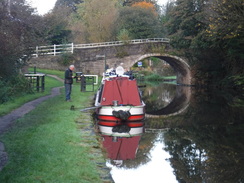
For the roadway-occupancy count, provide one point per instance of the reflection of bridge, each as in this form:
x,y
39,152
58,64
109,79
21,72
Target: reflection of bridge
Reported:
x,y
178,105
85,56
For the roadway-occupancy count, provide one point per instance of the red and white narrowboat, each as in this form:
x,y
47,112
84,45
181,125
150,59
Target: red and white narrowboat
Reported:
x,y
118,99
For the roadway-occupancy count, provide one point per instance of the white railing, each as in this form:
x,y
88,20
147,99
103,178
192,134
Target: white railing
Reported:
x,y
53,49
69,48
95,76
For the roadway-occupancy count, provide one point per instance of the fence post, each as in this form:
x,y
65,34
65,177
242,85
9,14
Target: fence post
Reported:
x,y
36,51
72,47
54,49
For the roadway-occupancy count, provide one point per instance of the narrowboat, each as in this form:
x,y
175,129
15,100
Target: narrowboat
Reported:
x,y
118,99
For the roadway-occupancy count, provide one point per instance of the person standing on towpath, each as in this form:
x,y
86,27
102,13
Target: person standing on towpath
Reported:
x,y
68,81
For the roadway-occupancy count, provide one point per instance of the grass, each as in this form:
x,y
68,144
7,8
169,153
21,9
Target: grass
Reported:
x,y
53,144
17,102
48,71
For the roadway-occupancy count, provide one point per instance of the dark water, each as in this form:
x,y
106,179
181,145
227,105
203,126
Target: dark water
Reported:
x,y
191,136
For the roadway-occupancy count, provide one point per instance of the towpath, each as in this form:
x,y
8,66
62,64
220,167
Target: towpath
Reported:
x,y
8,120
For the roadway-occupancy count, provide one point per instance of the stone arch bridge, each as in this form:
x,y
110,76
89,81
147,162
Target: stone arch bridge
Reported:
x,y
93,58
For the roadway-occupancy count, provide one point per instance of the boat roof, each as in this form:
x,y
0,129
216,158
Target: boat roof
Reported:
x,y
120,89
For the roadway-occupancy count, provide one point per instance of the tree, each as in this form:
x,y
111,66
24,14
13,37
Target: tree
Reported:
x,y
57,29
132,2
146,5
226,18
20,29
140,22
68,3
123,35
94,21
185,21
225,28
210,34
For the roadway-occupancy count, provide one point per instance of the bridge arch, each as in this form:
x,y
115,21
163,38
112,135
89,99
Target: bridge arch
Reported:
x,y
180,66
183,94
178,105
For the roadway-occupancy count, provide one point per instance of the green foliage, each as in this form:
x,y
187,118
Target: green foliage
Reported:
x,y
19,30
66,59
57,30
123,35
237,81
4,90
94,21
12,102
199,31
60,74
139,22
68,3
14,87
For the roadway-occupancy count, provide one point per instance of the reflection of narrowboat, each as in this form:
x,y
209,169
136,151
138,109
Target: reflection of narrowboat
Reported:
x,y
120,148
122,130
119,99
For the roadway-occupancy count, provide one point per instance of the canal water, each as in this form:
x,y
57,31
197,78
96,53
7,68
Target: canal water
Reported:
x,y
190,136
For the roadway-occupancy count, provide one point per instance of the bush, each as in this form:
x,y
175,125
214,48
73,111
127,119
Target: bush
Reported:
x,y
13,87
4,90
66,59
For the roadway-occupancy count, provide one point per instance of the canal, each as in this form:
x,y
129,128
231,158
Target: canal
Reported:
x,y
190,136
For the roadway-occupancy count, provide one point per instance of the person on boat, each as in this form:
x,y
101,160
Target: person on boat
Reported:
x,y
129,73
68,81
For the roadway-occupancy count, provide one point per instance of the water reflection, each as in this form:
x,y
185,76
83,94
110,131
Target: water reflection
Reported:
x,y
165,99
150,164
135,157
205,143
121,148
158,96
207,153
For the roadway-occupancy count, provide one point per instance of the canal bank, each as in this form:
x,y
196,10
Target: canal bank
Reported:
x,y
54,137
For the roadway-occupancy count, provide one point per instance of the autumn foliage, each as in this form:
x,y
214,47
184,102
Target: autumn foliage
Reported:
x,y
146,5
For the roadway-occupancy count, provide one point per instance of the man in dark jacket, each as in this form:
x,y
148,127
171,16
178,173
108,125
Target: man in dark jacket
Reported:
x,y
68,81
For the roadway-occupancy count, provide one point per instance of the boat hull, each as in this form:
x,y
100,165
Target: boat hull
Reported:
x,y
136,113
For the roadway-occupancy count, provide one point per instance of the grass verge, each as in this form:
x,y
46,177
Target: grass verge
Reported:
x,y
60,74
52,144
18,101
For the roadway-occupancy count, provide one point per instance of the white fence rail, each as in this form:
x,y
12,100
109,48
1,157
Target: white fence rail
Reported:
x,y
53,49
69,48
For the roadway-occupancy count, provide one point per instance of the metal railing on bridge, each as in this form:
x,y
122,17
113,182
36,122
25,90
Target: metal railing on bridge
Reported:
x,y
69,48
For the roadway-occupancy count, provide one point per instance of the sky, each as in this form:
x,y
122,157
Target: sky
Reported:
x,y
44,6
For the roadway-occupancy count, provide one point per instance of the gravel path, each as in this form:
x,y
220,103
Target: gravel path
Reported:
x,y
8,120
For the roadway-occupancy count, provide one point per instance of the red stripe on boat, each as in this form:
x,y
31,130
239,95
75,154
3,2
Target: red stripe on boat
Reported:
x,y
114,123
113,118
